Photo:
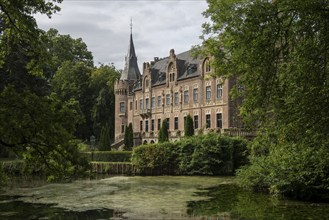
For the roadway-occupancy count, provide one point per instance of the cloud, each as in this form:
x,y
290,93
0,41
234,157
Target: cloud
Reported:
x,y
104,26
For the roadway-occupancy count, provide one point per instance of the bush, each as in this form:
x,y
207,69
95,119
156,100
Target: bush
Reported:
x,y
210,154
109,156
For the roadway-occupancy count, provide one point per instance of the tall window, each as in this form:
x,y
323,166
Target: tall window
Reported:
x,y
196,121
176,98
141,126
168,99
186,96
147,103
122,107
159,124
147,125
176,123
136,105
152,102
208,121
131,105
152,125
140,104
208,93
195,95
159,101
207,66
219,91
219,120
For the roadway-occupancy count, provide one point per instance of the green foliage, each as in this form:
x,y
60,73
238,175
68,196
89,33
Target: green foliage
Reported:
x,y
161,158
109,156
102,86
278,51
189,128
210,154
104,141
129,138
163,135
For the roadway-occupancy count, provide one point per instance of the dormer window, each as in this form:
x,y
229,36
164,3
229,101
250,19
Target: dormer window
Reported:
x,y
171,70
207,66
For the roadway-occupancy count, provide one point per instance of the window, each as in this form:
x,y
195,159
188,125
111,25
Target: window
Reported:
x,y
208,93
159,101
219,91
208,121
168,122
136,104
207,66
140,104
152,102
122,128
146,83
219,120
141,126
176,98
185,96
147,103
146,125
152,125
176,123
131,105
168,99
122,107
196,121
159,123
195,95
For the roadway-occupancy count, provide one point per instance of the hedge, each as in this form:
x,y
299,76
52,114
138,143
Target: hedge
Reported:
x,y
210,154
109,156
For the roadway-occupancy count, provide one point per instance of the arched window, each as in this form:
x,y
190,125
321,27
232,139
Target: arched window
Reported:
x,y
207,66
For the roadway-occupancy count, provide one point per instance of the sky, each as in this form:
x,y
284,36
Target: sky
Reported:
x,y
104,25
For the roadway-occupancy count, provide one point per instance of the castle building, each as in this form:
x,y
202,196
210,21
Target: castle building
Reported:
x,y
170,89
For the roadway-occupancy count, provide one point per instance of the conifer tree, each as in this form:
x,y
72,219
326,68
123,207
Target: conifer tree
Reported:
x,y
163,133
105,143
188,128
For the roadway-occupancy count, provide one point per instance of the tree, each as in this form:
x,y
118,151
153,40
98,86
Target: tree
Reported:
x,y
72,81
102,87
62,48
105,141
188,128
163,132
129,137
33,122
278,52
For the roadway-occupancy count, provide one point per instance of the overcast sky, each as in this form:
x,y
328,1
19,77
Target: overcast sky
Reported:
x,y
104,25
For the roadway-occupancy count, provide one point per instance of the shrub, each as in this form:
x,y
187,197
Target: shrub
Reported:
x,y
209,154
109,156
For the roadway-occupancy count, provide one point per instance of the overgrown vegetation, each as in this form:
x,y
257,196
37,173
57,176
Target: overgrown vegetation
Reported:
x,y
109,156
163,135
209,154
279,52
189,128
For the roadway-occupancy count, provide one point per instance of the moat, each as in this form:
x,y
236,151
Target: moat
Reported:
x,y
164,197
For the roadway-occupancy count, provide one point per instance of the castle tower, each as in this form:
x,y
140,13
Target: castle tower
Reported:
x,y
122,89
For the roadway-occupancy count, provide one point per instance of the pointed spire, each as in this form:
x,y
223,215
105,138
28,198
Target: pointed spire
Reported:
x,y
131,70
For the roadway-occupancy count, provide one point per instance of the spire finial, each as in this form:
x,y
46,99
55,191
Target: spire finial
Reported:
x,y
131,25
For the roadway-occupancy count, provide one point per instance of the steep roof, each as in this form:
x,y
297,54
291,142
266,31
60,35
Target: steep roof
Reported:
x,y
187,67
131,70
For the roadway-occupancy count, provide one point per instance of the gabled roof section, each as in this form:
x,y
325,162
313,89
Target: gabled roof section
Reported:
x,y
131,70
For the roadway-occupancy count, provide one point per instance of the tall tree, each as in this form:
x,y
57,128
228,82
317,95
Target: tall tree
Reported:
x,y
188,128
33,122
72,81
129,137
163,135
105,141
278,51
102,86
